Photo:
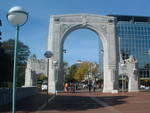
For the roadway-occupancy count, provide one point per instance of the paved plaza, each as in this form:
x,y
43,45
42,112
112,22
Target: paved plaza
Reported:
x,y
94,102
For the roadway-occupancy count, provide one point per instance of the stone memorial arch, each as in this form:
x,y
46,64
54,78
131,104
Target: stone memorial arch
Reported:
x,y
103,26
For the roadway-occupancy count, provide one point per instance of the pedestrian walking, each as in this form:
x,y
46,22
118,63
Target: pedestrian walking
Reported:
x,y
94,87
66,87
72,87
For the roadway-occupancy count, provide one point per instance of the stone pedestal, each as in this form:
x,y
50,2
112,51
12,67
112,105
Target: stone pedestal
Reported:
x,y
52,87
110,81
28,79
133,85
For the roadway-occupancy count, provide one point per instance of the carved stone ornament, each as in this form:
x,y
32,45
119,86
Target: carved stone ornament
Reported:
x,y
84,20
65,27
131,59
102,29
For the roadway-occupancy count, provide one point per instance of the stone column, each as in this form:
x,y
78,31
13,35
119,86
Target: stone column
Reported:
x,y
110,80
51,78
110,59
60,80
54,46
28,77
133,81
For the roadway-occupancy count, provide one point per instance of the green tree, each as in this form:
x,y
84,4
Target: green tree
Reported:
x,y
70,73
23,52
41,77
5,68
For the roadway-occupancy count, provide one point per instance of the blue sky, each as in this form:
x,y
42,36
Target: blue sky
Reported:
x,y
80,44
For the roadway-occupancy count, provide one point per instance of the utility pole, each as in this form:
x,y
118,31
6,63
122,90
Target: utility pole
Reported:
x,y
1,54
0,30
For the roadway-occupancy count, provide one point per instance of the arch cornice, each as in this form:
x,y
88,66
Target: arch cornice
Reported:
x,y
84,18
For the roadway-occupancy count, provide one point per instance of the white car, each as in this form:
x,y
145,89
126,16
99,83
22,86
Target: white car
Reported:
x,y
142,86
83,86
44,86
147,87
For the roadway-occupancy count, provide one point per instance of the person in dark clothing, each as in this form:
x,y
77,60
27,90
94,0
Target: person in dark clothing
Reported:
x,y
94,87
90,87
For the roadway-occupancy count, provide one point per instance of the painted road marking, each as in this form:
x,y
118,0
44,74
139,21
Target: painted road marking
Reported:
x,y
45,104
104,104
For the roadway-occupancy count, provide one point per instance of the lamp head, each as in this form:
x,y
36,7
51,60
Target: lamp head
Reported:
x,y
48,54
17,16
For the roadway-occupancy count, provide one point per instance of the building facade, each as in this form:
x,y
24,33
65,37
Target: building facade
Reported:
x,y
133,33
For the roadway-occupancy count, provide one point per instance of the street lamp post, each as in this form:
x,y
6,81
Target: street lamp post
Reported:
x,y
55,64
48,55
102,52
17,16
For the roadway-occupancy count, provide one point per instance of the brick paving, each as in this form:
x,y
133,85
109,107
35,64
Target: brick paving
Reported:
x,y
102,103
94,102
25,105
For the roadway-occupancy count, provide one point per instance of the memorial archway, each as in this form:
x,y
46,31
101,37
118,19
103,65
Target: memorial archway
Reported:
x,y
103,26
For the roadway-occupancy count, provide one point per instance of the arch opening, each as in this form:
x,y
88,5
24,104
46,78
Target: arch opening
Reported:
x,y
83,47
123,82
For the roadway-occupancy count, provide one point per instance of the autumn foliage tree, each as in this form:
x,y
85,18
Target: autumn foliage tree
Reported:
x,y
41,77
81,71
85,69
77,72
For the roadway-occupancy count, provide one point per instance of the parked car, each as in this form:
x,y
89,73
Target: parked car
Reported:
x,y
44,86
142,86
85,86
147,87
